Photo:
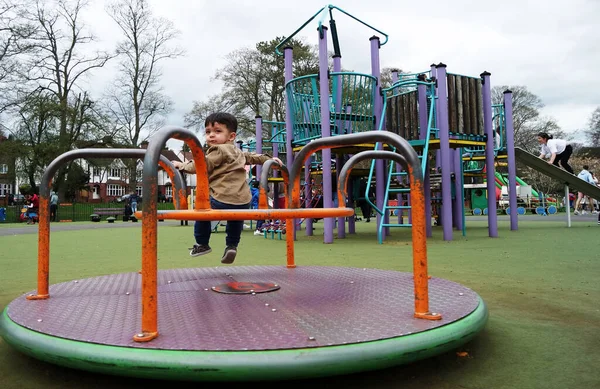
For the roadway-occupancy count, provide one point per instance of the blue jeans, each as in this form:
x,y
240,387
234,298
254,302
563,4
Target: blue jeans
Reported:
x,y
134,206
233,230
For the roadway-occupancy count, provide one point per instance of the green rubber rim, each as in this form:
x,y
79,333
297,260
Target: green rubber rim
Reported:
x,y
243,365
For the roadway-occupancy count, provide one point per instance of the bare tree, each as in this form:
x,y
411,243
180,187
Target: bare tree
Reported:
x,y
137,99
14,31
60,61
253,84
593,131
527,121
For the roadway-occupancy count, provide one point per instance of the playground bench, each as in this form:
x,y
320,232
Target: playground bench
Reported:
x,y
111,212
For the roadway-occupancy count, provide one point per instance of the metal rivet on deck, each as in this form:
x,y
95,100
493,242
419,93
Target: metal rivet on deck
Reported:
x,y
127,293
434,313
311,338
267,304
205,288
253,293
140,335
461,294
275,285
168,282
273,310
39,320
251,290
351,282
76,281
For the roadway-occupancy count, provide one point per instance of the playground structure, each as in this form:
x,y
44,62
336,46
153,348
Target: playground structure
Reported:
x,y
448,118
441,114
247,322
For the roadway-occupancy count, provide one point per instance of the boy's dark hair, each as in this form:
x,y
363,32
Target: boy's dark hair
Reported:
x,y
586,167
224,118
544,135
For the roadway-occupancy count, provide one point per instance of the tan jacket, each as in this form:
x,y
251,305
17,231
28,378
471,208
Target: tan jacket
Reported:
x,y
226,172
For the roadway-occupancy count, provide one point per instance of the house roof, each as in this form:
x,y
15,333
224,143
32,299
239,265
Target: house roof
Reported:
x,y
170,154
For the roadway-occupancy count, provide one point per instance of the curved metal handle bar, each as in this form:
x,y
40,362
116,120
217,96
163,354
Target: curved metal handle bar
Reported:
x,y
419,239
180,194
51,170
156,145
370,154
401,144
328,7
44,206
264,182
263,204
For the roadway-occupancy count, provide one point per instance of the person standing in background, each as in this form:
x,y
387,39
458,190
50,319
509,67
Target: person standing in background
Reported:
x,y
53,206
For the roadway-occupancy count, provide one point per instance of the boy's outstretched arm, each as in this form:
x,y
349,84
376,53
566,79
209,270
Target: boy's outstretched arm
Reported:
x,y
259,159
188,167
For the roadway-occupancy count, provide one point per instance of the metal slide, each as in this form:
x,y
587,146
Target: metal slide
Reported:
x,y
557,173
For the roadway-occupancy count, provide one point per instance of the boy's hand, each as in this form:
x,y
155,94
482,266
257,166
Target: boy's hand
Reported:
x,y
278,161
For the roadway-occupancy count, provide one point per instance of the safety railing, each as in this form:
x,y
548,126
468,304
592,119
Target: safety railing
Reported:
x,y
351,103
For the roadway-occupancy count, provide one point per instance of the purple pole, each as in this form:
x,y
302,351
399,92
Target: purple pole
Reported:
x,y
325,132
427,183
510,152
351,199
288,58
458,189
438,159
444,152
258,142
379,164
489,155
337,67
351,221
308,197
423,122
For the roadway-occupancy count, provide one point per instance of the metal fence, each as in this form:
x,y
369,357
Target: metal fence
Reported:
x,y
72,211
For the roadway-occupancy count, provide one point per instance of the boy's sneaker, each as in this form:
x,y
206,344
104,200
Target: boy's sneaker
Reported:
x,y
229,254
258,233
200,249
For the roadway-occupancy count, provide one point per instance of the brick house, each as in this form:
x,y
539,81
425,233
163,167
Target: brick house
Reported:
x,y
108,183
8,183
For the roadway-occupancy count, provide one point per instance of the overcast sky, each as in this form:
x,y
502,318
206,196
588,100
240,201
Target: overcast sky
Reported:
x,y
550,46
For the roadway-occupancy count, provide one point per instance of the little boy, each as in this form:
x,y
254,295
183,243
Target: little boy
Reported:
x,y
227,181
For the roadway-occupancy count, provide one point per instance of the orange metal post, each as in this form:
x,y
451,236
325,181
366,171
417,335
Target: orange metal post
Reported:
x,y
419,240
149,275
43,251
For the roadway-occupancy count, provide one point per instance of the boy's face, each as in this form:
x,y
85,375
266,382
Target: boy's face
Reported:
x,y
218,134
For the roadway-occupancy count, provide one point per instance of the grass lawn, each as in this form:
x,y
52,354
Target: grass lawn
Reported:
x,y
541,285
